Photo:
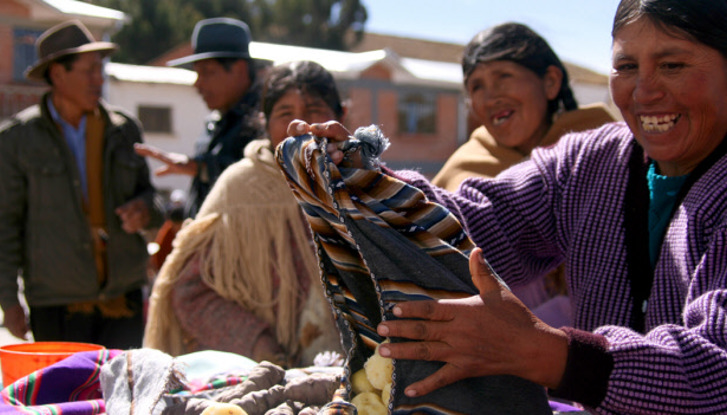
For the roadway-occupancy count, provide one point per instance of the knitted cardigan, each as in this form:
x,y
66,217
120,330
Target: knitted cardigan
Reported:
x,y
655,346
483,156
381,242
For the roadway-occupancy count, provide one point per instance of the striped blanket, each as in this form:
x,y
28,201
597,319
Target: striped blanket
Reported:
x,y
69,387
381,241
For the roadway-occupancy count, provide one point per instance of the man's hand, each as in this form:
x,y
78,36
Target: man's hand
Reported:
x,y
16,322
134,215
174,163
489,334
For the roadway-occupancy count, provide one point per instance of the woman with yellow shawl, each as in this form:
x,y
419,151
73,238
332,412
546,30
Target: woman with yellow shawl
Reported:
x,y
518,88
243,276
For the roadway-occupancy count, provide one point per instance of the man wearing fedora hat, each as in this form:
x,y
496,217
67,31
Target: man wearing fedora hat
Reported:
x,y
226,82
73,198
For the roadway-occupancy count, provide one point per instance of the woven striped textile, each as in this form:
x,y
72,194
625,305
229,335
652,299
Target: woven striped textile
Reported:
x,y
381,241
69,387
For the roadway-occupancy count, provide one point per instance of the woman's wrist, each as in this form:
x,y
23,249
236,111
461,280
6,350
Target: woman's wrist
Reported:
x,y
550,356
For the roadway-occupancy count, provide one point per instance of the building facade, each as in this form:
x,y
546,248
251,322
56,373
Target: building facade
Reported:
x,y
411,88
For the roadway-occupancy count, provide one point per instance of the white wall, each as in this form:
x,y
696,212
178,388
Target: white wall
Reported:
x,y
591,94
188,114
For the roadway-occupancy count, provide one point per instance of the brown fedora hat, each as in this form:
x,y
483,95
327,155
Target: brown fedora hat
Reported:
x,y
64,39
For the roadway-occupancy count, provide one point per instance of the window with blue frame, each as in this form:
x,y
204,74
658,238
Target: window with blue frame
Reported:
x,y
417,113
23,51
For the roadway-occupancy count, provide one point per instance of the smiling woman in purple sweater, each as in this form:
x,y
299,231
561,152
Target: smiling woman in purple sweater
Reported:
x,y
637,213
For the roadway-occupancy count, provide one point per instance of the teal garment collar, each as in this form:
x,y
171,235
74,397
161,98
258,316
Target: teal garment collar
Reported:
x,y
663,191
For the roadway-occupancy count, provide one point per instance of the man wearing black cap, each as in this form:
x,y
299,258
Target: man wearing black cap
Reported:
x,y
73,198
226,82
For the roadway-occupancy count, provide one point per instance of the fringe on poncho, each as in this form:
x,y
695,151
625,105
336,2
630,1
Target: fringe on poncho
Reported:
x,y
244,228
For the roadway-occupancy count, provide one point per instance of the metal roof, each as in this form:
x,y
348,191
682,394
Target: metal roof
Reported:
x,y
343,65
150,74
80,8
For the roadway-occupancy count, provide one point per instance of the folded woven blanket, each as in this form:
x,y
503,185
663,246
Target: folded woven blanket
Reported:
x,y
381,241
69,387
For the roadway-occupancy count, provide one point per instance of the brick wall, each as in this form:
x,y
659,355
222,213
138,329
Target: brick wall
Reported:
x,y
6,53
375,100
16,98
13,8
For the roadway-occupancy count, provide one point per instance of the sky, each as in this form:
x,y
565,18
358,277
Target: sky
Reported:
x,y
578,30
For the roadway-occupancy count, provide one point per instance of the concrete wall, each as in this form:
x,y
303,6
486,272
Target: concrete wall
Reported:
x,y
188,114
371,101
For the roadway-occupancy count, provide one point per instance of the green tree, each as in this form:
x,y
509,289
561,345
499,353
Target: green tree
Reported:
x,y
158,26
327,24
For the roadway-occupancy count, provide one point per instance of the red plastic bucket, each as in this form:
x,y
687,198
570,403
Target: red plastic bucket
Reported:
x,y
19,360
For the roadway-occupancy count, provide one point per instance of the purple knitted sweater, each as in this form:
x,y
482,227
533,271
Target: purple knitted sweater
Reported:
x,y
575,203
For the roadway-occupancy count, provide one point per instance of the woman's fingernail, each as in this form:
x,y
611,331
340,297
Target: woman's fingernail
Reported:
x,y
383,330
301,128
410,393
397,311
384,351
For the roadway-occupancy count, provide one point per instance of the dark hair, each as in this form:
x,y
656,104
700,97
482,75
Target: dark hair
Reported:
x,y
310,77
228,62
65,60
701,20
518,43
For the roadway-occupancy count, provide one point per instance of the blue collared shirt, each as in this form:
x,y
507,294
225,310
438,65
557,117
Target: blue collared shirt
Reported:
x,y
76,139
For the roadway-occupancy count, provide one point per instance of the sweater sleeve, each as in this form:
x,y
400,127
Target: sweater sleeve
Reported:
x,y
680,364
587,369
677,368
519,242
214,322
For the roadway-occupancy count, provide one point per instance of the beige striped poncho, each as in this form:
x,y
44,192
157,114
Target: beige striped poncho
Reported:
x,y
246,226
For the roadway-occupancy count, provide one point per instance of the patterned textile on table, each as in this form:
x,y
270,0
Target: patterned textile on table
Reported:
x,y
68,387
150,382
380,241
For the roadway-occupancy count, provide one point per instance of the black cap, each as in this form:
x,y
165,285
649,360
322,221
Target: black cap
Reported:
x,y
219,37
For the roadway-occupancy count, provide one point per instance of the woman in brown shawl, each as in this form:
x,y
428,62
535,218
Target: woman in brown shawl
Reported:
x,y
518,90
